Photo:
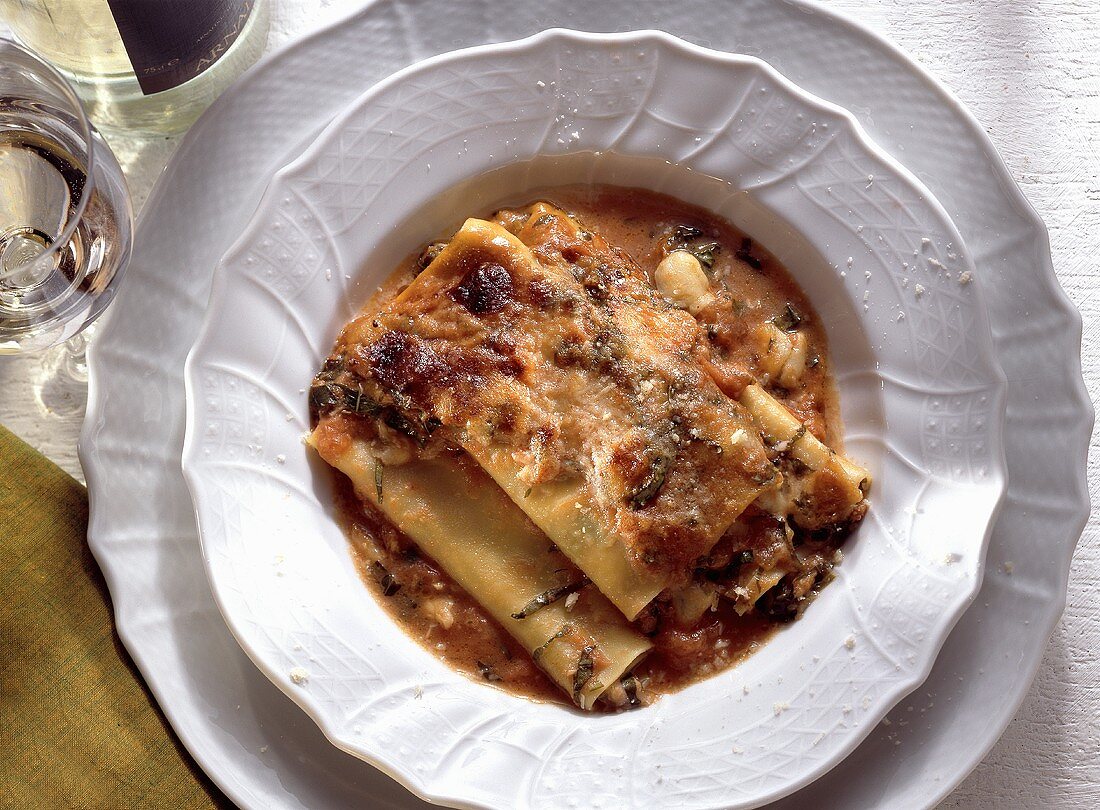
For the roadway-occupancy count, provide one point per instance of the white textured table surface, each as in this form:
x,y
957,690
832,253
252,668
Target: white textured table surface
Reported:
x,y
1031,73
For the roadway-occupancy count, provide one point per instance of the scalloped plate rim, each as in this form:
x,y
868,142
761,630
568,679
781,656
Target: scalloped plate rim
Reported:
x,y
1049,606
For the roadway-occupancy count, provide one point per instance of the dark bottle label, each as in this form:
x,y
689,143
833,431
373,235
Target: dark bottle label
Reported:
x,y
170,42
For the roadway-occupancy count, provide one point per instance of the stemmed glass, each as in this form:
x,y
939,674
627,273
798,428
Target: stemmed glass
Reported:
x,y
66,223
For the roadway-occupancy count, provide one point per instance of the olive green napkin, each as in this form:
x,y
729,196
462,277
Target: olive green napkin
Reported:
x,y
78,727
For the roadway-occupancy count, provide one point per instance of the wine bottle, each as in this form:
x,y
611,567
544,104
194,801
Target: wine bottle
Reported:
x,y
143,66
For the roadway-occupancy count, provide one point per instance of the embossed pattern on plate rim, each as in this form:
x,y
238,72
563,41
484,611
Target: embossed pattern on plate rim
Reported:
x,y
284,183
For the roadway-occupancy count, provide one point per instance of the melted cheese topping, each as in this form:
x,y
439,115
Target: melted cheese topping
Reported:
x,y
551,344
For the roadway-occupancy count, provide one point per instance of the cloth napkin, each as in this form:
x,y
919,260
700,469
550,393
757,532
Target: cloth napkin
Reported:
x,y
78,727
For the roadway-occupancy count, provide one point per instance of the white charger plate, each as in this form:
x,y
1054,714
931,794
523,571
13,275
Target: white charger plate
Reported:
x,y
254,743
921,395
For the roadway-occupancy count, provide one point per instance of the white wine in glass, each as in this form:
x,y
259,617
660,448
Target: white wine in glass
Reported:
x,y
65,217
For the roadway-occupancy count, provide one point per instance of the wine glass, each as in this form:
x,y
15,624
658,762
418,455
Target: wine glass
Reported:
x,y
66,224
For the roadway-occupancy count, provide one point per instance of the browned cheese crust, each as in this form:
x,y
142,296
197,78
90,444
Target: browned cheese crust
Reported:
x,y
560,347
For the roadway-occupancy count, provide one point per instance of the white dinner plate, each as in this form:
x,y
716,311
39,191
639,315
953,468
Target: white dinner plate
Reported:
x,y
254,742
921,396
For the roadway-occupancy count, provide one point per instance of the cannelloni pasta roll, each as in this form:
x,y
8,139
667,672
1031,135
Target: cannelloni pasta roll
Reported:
x,y
484,542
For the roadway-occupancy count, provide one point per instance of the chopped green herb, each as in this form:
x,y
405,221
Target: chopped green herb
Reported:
x,y
322,398
487,672
654,479
584,672
779,603
731,569
631,686
787,445
527,492
389,583
397,420
764,478
378,480
539,650
549,597
788,320
681,238
798,467
685,233
360,403
429,253
745,255
705,253
327,395
543,220
417,426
